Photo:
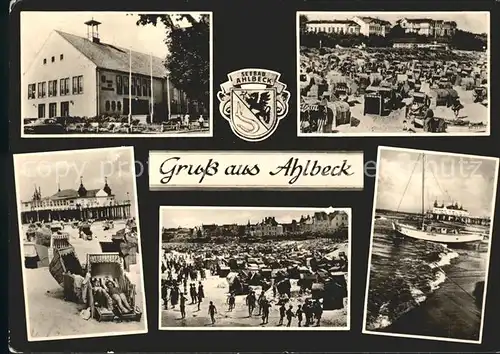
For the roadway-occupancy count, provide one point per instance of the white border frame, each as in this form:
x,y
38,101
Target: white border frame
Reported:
x,y
494,194
208,134
20,225
395,134
258,328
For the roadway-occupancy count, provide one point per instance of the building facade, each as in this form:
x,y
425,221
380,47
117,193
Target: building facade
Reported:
x,y
370,26
267,227
73,76
332,222
333,26
68,204
428,27
455,213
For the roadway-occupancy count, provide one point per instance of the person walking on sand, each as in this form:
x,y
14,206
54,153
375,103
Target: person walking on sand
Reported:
x,y
182,305
289,316
200,299
308,313
265,311
282,314
250,302
185,283
174,296
318,312
212,310
299,315
192,292
231,301
201,292
262,297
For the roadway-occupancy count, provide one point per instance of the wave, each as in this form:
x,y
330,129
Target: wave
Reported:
x,y
402,276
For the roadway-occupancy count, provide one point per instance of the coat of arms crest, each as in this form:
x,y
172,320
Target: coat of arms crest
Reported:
x,y
253,101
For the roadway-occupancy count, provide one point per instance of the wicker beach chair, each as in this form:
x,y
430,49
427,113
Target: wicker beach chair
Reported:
x,y
100,266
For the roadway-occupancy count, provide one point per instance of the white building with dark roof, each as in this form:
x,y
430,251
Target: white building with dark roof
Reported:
x,y
371,26
80,204
86,77
428,27
333,26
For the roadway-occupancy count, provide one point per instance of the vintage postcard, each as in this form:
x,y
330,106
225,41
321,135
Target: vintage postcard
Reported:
x,y
393,73
80,243
227,268
116,74
430,245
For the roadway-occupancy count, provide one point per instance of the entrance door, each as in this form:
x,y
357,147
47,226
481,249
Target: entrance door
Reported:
x,y
65,109
41,110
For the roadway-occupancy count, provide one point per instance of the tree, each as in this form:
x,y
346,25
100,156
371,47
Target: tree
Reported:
x,y
397,32
302,23
198,233
188,61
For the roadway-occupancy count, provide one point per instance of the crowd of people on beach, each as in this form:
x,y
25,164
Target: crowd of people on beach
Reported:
x,y
182,285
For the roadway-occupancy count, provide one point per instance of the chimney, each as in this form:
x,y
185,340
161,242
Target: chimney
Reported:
x,y
93,31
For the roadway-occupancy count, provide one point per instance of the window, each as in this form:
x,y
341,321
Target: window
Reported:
x,y
77,85
137,84
113,106
44,61
103,79
64,86
42,89
31,91
125,85
52,88
107,106
61,57
119,87
132,86
65,109
52,110
144,87
119,106
149,88
53,59
80,84
41,111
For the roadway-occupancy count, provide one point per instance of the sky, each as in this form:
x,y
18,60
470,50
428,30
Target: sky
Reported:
x,y
475,22
46,170
117,28
172,218
471,185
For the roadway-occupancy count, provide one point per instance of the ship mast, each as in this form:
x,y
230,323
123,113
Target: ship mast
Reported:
x,y
423,191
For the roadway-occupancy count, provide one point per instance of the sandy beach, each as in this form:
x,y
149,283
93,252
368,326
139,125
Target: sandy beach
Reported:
x,y
49,315
473,112
449,312
216,290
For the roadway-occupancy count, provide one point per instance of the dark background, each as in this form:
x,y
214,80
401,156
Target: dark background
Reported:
x,y
247,34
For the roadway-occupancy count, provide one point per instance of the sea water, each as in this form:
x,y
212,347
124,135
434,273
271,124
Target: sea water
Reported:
x,y
403,274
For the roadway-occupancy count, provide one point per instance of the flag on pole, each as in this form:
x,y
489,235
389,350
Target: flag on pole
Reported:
x,y
130,87
151,93
168,95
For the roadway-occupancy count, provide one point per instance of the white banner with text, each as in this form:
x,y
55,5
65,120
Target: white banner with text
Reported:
x,y
256,169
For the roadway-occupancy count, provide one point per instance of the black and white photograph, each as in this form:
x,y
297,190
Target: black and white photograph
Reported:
x,y
254,268
430,245
80,243
116,74
393,73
